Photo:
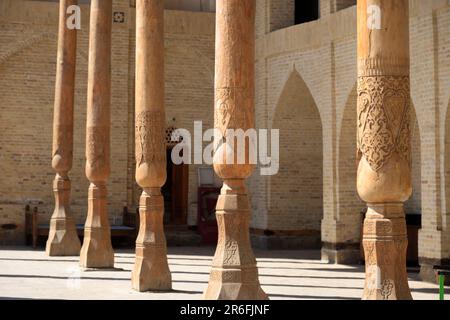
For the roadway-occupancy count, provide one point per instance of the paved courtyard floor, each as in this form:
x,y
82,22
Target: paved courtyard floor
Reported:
x,y
30,274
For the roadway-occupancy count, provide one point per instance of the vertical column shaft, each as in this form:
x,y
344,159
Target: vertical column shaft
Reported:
x,y
97,251
151,269
234,274
63,239
384,172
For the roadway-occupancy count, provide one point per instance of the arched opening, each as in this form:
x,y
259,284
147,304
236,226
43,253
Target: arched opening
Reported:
x,y
296,192
350,205
413,207
175,190
447,163
188,88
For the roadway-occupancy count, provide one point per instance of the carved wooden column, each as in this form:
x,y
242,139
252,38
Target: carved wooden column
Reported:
x,y
234,274
97,251
151,270
63,239
384,172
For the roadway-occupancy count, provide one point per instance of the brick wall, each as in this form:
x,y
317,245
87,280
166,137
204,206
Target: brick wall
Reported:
x,y
295,199
305,80
326,63
327,7
28,38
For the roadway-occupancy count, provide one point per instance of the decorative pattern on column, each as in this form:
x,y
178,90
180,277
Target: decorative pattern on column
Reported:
x,y
63,239
234,275
97,251
384,173
151,269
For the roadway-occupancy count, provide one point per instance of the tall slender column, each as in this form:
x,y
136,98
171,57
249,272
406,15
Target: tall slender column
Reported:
x,y
234,274
384,172
97,250
63,239
151,270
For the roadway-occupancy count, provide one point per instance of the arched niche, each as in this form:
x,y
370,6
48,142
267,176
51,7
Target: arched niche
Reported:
x,y
296,192
414,205
447,161
349,203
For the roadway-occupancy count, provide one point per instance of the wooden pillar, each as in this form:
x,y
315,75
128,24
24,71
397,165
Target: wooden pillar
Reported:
x,y
63,239
151,269
234,274
384,172
97,250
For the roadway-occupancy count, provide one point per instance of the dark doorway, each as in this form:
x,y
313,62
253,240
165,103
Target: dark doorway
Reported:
x,y
175,193
306,10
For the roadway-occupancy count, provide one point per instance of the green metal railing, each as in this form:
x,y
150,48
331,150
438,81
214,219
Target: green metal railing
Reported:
x,y
441,276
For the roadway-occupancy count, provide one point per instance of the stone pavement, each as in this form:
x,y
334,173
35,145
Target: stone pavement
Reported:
x,y
30,274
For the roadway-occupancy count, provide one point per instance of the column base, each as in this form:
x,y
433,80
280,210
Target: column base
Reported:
x,y
97,251
234,284
341,253
151,269
62,239
385,243
234,275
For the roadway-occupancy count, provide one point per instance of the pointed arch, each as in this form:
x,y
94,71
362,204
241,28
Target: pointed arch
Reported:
x,y
414,205
296,192
349,204
447,162
24,44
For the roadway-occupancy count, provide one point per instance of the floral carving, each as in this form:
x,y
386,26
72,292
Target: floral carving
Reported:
x,y
386,289
231,253
383,119
369,248
150,137
96,147
233,109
